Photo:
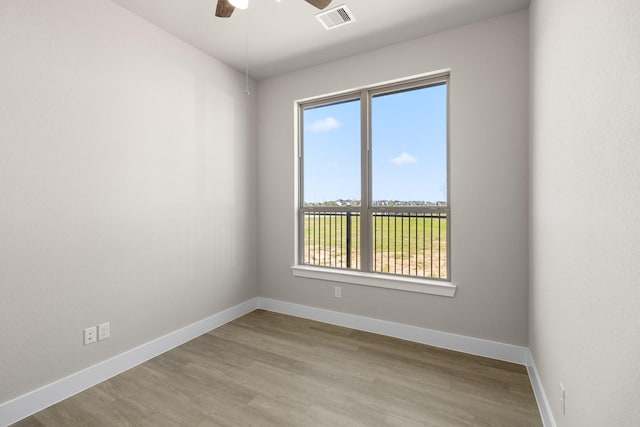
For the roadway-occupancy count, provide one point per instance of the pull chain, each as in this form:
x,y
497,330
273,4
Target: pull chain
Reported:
x,y
246,52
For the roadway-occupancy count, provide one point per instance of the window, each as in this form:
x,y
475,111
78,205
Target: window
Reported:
x,y
373,190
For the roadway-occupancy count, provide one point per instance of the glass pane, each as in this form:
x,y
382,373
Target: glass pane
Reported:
x,y
409,147
332,239
331,154
411,244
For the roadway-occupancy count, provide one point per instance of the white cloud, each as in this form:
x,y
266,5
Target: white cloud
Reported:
x,y
403,159
325,125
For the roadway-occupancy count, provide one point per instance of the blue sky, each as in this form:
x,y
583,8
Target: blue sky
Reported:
x,y
408,148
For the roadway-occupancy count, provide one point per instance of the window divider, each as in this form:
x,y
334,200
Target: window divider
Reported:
x,y
365,193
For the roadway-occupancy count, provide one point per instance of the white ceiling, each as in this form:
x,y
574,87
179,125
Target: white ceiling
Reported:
x,y
285,36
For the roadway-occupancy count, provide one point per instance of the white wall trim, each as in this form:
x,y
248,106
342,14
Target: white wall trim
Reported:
x,y
43,397
400,283
538,391
476,346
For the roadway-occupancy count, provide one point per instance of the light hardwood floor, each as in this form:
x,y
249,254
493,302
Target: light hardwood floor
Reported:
x,y
268,369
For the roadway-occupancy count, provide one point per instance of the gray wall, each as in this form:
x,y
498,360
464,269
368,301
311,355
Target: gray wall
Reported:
x,y
489,180
585,208
127,182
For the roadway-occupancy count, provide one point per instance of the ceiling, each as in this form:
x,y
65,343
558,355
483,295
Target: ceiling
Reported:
x,y
284,35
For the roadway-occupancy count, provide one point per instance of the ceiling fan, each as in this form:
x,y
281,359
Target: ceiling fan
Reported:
x,y
225,8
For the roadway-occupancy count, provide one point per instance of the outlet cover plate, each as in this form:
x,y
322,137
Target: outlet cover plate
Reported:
x,y
90,335
104,331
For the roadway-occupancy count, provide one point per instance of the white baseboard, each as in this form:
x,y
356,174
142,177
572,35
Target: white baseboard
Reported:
x,y
476,346
541,396
465,344
34,401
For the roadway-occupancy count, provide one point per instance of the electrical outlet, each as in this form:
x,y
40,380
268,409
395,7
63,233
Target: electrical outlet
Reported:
x,y
104,331
563,398
338,292
90,335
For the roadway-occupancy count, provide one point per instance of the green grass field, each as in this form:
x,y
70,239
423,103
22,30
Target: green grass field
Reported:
x,y
414,246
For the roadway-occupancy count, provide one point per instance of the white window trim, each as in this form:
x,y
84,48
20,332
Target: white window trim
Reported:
x,y
357,277
377,280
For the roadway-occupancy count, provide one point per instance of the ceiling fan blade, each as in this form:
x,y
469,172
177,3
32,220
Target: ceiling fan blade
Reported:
x,y
320,4
224,9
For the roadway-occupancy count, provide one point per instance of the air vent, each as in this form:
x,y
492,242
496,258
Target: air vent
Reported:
x,y
335,17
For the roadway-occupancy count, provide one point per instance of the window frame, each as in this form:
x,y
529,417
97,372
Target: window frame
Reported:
x,y
365,274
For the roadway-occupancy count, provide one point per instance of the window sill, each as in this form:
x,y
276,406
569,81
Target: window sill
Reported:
x,y
422,286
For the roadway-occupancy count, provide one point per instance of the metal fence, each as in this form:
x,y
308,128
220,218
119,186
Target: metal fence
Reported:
x,y
332,239
404,243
